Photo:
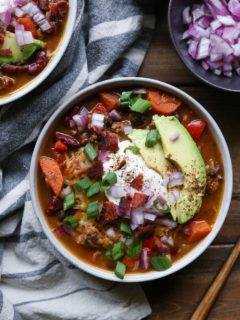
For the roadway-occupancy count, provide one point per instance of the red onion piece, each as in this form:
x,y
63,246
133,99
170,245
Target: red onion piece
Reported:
x,y
97,120
187,19
150,216
115,115
127,130
117,191
139,91
144,259
167,222
110,233
175,179
234,7
66,191
103,154
137,217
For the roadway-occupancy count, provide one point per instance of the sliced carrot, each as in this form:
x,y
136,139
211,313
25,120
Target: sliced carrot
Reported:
x,y
197,230
128,261
163,103
110,100
52,173
60,146
29,25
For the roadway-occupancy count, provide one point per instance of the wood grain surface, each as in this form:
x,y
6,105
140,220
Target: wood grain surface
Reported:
x,y
176,297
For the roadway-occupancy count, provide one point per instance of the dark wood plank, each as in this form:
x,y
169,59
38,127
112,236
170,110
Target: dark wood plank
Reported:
x,y
176,296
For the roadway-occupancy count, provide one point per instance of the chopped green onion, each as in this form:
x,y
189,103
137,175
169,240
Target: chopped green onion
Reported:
x,y
108,254
125,228
125,98
71,222
68,201
141,105
134,249
93,210
90,152
83,184
156,203
134,149
94,189
160,263
120,270
118,250
109,180
152,138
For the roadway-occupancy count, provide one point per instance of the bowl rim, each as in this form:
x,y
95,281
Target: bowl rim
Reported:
x,y
61,48
174,41
228,177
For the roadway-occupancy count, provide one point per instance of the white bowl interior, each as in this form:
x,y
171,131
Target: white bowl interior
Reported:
x,y
69,28
184,261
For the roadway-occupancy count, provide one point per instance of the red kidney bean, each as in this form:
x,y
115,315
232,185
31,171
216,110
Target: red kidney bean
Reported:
x,y
67,139
39,64
54,206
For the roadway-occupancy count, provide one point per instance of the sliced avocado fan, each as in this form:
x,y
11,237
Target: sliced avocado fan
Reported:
x,y
153,157
186,155
20,53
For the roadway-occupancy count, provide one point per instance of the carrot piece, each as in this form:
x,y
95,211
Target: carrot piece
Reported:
x,y
29,25
110,100
60,146
128,261
52,173
197,230
163,103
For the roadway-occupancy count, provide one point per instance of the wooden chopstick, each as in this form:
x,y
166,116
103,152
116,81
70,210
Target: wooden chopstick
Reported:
x,y
207,301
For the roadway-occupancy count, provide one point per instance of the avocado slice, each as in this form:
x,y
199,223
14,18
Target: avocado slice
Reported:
x,y
154,157
186,155
20,53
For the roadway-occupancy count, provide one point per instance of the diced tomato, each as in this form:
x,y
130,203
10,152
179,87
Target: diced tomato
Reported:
x,y
129,262
149,243
99,108
139,200
196,127
163,103
29,25
60,146
197,230
110,100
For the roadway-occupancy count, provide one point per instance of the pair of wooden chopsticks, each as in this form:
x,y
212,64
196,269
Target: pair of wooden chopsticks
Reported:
x,y
206,303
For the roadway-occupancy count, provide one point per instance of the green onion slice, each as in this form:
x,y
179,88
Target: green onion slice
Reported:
x,y
118,250
141,105
134,149
68,201
160,263
156,202
134,249
125,228
152,138
125,98
109,180
120,270
83,184
71,222
94,189
90,152
93,209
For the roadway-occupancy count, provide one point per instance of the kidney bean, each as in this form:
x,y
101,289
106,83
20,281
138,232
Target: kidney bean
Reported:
x,y
39,64
69,120
67,139
54,206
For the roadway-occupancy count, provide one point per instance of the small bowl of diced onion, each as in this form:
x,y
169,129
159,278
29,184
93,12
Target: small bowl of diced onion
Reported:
x,y
206,35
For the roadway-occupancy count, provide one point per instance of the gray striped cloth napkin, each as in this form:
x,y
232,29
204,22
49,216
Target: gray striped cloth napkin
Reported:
x,y
110,39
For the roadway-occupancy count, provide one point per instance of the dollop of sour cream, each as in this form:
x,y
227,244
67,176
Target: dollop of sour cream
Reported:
x,y
127,167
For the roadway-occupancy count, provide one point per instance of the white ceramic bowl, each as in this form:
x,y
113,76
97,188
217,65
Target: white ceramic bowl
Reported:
x,y
138,82
69,28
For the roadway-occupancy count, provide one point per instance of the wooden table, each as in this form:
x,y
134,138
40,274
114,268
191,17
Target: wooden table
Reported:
x,y
176,296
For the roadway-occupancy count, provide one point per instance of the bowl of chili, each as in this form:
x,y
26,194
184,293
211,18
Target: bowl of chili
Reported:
x,y
32,42
96,187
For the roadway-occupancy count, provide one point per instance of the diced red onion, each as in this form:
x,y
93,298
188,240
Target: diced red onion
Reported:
x,y
203,49
144,259
110,233
150,216
187,19
44,25
167,240
18,12
215,24
30,8
117,191
137,217
167,222
192,50
139,91
127,130
103,154
24,37
197,13
97,120
205,65
115,115
226,20
228,74
175,179
176,193
234,7
66,191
